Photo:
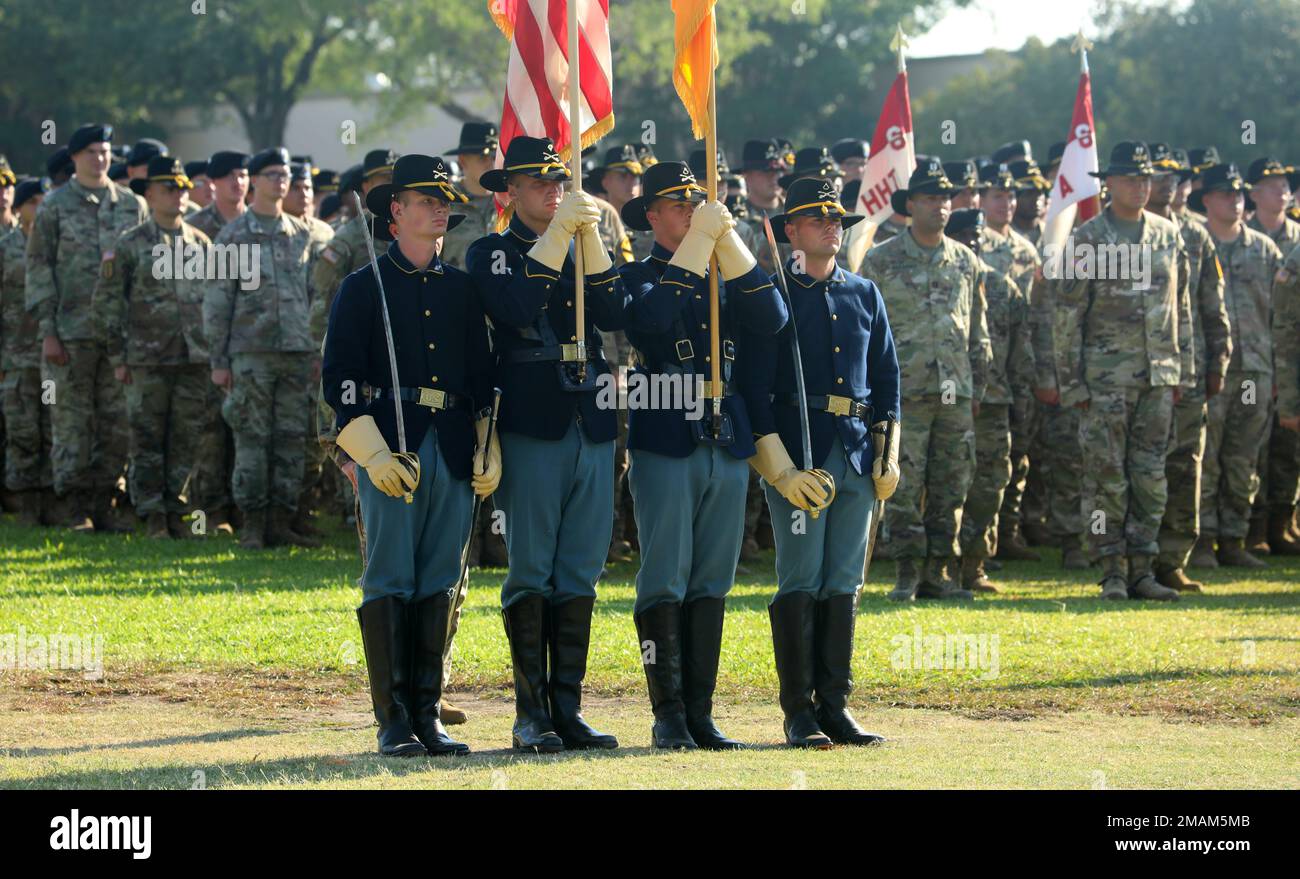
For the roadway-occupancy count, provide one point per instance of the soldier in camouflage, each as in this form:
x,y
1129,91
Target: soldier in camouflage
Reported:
x,y
1123,345
228,175
475,154
71,244
1272,520
150,317
1286,335
932,286
27,438
1010,371
262,354
1212,348
1238,418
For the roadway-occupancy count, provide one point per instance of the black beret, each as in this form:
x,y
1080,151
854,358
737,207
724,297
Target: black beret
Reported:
x,y
330,205
28,188
350,180
268,158
225,161
196,169
88,134
966,218
849,148
117,171
144,150
59,163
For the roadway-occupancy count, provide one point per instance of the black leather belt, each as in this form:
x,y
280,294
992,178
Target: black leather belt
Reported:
x,y
431,397
547,353
729,388
833,404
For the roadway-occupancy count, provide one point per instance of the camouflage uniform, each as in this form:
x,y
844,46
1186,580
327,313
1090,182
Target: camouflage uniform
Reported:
x,y
313,452
936,311
480,219
154,327
1212,347
1123,350
1238,418
1013,255
1010,375
216,458
262,336
1279,454
27,439
71,245
1286,334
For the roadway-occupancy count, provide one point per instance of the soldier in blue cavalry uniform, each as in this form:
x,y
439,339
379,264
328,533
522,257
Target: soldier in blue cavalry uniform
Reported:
x,y
557,444
444,366
851,377
688,474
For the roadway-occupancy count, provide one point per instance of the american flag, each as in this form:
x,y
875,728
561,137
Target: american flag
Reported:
x,y
537,100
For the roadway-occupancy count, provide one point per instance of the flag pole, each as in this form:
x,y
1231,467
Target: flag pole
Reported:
x,y
575,168
711,156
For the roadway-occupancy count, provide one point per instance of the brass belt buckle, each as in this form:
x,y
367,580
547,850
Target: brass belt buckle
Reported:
x,y
571,352
839,405
433,398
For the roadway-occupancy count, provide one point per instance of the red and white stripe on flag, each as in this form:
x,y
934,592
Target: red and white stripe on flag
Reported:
x,y
892,156
1074,186
537,79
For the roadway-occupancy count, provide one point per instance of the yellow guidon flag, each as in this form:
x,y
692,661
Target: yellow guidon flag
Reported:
x,y
695,38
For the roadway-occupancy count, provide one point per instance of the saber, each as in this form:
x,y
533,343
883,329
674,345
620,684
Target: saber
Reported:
x,y
402,453
463,582
800,388
877,512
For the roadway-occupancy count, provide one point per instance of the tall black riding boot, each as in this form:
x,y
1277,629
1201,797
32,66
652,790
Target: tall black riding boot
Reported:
x,y
659,631
570,636
385,635
702,637
526,627
429,638
793,642
835,619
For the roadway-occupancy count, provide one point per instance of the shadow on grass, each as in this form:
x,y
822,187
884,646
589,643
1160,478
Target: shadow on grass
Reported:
x,y
202,738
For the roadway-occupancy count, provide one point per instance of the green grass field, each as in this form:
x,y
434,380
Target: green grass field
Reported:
x,y
248,668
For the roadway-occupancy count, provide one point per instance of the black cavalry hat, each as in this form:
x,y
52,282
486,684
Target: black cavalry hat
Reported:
x,y
162,169
1266,166
1028,175
531,156
1054,154
1128,158
476,138
762,155
1016,150
1223,177
1166,160
672,180
428,174
617,158
811,197
849,148
377,162
997,176
1203,157
964,175
927,179
812,162
700,166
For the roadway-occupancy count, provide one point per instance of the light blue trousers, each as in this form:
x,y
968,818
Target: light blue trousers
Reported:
x,y
690,520
414,550
824,556
558,501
